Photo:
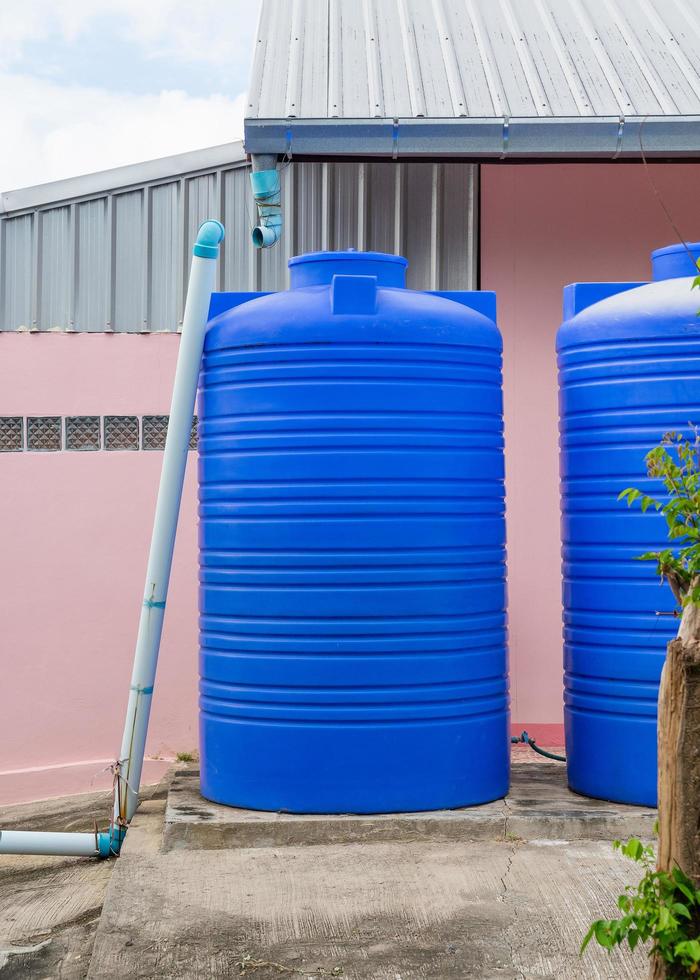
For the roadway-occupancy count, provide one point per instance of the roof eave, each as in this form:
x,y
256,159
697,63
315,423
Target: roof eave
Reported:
x,y
533,138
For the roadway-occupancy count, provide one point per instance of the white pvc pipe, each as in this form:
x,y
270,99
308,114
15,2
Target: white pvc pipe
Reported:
x,y
130,762
35,842
201,286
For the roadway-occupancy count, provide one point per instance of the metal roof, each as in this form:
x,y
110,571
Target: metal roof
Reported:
x,y
119,178
476,78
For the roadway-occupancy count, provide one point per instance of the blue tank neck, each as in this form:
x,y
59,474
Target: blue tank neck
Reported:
x,y
674,262
318,268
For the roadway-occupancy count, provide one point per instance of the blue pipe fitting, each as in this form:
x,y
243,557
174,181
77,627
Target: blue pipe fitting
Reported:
x,y
267,193
209,238
109,842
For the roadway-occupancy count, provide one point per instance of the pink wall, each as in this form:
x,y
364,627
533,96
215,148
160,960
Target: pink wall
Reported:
x,y
541,228
75,527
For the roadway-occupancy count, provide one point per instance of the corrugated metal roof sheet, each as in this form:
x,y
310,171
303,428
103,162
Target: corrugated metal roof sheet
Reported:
x,y
510,77
111,251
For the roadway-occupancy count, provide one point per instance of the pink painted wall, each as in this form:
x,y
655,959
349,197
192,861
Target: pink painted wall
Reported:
x,y
75,527
543,226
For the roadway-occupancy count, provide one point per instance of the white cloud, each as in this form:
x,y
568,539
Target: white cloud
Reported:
x,y
54,131
192,30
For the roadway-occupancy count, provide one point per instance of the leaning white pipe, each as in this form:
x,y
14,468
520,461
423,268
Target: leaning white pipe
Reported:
x,y
201,286
36,842
130,762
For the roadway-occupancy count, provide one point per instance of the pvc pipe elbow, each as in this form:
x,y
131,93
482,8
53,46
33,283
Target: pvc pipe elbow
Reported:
x,y
209,237
109,842
266,235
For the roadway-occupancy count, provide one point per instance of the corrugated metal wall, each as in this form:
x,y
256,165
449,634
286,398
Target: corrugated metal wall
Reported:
x,y
118,261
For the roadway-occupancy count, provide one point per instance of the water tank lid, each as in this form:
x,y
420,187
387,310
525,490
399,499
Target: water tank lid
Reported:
x,y
675,261
318,268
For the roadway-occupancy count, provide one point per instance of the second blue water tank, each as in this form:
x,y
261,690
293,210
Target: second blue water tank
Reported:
x,y
352,546
629,362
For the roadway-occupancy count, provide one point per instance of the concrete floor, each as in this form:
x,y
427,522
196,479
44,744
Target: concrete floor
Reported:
x,y
428,905
50,906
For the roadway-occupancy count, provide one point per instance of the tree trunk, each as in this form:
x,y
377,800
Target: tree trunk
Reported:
x,y
679,758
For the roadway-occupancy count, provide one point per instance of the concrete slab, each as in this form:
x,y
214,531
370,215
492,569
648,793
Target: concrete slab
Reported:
x,y
414,910
539,806
216,892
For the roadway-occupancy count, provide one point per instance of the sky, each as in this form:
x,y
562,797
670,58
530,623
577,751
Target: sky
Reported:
x,y
86,85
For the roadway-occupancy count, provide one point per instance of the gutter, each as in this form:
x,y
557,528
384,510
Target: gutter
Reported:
x,y
496,138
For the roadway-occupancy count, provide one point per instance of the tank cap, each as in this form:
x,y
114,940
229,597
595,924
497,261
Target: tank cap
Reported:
x,y
319,268
675,262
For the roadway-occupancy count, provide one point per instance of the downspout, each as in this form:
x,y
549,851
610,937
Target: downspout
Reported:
x,y
127,770
267,194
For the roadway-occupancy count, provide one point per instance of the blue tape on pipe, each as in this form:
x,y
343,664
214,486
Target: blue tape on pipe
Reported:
x,y
154,603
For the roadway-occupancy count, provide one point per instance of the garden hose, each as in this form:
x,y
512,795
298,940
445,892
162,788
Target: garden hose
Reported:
x,y
524,737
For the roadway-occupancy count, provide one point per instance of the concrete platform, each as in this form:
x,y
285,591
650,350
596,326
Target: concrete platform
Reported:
x,y
539,806
211,892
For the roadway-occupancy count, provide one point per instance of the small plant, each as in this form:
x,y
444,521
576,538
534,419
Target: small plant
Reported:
x,y
676,463
186,757
664,909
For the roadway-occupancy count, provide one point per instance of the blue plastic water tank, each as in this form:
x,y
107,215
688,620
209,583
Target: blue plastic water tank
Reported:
x,y
353,650
629,363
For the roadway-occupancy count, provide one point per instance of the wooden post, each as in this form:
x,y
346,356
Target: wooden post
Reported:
x,y
679,758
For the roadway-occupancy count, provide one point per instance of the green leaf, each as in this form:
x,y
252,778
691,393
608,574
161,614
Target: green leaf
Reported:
x,y
587,938
633,849
631,494
666,919
680,909
683,885
601,931
689,948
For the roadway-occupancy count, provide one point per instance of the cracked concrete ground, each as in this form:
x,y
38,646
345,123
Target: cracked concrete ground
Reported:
x,y
214,892
414,910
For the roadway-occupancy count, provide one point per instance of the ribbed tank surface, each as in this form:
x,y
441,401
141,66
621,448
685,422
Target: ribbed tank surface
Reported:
x,y
629,370
352,546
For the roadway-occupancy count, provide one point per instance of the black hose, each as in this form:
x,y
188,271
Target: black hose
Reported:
x,y
524,737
